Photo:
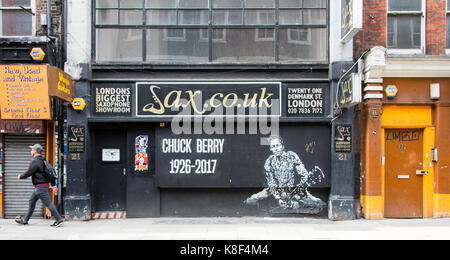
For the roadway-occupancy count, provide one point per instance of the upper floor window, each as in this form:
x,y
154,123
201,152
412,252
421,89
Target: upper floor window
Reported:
x,y
211,31
405,24
16,18
448,24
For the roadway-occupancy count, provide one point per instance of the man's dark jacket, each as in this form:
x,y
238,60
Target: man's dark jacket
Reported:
x,y
36,171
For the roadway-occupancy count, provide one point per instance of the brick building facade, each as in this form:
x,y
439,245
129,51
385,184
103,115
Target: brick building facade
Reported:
x,y
31,46
406,108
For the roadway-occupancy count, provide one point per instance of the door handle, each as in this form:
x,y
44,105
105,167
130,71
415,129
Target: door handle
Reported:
x,y
421,172
124,172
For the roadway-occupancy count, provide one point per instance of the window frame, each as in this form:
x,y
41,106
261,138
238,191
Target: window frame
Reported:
x,y
422,15
210,26
447,7
31,8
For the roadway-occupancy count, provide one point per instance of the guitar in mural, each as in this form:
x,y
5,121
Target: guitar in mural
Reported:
x,y
287,180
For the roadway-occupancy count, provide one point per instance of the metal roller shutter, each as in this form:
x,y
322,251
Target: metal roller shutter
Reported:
x,y
17,159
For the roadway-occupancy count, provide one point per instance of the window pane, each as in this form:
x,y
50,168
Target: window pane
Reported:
x,y
15,3
107,3
259,17
107,17
227,3
405,5
448,6
314,16
227,17
244,45
114,45
194,3
291,16
162,3
391,33
195,17
131,3
448,31
131,17
314,4
404,32
16,23
309,45
164,17
177,45
290,3
259,3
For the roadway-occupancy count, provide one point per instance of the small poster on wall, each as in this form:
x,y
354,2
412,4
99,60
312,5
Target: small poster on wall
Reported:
x,y
111,155
141,157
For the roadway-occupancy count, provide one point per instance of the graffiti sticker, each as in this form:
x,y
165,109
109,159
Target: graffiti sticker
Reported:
x,y
141,158
281,169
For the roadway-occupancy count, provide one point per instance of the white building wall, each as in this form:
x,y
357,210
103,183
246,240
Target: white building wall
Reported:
x,y
79,33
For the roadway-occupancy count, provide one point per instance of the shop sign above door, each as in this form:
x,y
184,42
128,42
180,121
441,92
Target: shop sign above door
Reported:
x,y
208,99
25,90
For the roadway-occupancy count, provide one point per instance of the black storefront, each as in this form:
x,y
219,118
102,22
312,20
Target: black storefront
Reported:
x,y
209,148
211,108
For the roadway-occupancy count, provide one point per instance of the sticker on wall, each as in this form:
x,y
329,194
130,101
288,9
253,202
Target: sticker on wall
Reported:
x,y
281,171
110,155
141,158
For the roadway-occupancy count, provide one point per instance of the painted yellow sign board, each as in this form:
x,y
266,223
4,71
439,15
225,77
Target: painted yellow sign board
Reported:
x,y
24,92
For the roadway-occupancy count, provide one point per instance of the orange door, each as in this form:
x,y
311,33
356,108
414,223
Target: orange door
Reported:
x,y
403,187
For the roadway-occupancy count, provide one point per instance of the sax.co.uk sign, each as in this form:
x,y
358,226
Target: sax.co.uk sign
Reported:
x,y
208,99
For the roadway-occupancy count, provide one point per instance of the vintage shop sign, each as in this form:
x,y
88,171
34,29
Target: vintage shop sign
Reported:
x,y
208,99
25,90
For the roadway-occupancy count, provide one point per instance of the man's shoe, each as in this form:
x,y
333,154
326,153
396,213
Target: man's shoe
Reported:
x,y
58,223
21,222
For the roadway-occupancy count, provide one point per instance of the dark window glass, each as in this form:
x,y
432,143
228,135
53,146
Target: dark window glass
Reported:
x,y
107,3
177,45
16,23
405,5
113,45
448,31
255,45
404,32
14,20
227,3
131,3
15,3
303,44
228,31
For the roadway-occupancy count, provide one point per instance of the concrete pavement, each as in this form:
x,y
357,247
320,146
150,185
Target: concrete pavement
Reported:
x,y
248,228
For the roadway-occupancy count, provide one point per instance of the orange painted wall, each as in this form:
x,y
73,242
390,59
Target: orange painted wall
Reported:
x,y
413,93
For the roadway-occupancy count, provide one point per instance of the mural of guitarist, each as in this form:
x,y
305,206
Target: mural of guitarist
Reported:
x,y
287,180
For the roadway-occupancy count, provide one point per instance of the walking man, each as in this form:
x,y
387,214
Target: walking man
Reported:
x,y
41,184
